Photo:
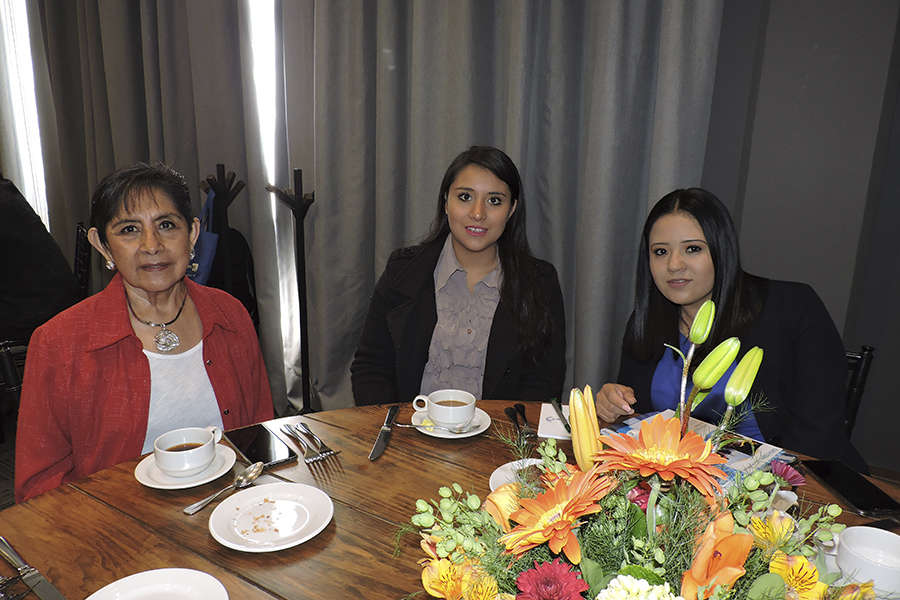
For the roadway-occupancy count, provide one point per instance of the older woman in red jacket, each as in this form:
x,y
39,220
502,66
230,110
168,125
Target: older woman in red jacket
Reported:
x,y
151,352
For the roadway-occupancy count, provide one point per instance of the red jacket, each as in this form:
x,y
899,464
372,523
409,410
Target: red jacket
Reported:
x,y
86,392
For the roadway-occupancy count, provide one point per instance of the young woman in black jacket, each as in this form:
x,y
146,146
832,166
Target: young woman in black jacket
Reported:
x,y
689,253
470,307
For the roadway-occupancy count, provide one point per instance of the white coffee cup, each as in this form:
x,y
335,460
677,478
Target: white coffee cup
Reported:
x,y
186,451
870,554
447,408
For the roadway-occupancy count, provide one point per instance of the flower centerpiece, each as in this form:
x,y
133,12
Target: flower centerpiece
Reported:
x,y
637,517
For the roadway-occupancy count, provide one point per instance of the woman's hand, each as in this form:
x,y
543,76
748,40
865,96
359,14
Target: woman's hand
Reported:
x,y
613,401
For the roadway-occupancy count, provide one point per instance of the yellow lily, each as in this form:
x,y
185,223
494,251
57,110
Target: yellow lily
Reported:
x,y
800,576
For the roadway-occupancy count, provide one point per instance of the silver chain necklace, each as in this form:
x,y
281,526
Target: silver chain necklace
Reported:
x,y
166,340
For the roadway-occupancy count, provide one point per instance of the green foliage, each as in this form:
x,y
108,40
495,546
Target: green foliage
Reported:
x,y
641,573
768,586
457,519
757,564
595,576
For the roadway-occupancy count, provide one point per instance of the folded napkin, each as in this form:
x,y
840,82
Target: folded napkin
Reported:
x,y
550,426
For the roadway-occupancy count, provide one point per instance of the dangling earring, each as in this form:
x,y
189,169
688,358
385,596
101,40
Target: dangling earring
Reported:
x,y
193,254
110,265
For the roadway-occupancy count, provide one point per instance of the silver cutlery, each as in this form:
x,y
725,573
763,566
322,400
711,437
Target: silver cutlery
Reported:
x,y
324,450
241,480
527,428
461,429
310,454
36,582
384,434
559,413
524,430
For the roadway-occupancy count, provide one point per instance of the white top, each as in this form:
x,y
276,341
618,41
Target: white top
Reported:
x,y
181,394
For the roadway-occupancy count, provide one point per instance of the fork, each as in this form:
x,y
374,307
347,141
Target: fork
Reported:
x,y
324,450
310,455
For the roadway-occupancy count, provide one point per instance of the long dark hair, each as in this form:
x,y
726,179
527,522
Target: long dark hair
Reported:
x,y
519,289
737,294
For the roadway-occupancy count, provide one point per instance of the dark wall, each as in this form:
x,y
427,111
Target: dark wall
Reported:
x,y
873,317
796,144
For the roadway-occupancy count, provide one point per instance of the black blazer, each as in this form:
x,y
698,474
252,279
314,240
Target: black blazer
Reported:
x,y
393,348
803,375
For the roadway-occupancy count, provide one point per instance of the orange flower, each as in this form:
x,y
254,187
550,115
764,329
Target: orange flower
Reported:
x,y
551,516
660,449
442,578
719,559
501,503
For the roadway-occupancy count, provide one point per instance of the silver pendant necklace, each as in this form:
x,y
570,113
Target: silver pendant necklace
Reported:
x,y
166,340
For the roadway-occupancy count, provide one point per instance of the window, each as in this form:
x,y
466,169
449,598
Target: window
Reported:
x,y
21,104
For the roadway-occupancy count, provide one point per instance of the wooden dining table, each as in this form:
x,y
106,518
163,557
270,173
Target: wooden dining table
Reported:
x,y
91,532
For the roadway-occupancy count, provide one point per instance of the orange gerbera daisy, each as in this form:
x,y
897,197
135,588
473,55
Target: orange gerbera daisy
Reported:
x,y
660,449
551,516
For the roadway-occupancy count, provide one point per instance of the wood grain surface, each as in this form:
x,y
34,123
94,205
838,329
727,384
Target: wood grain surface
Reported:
x,y
87,534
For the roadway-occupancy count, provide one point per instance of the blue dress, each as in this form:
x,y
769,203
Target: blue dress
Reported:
x,y
666,385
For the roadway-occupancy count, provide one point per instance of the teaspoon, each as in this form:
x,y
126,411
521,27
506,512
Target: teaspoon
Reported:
x,y
241,480
462,429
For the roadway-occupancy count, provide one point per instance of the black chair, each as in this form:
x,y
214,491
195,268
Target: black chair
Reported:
x,y
82,266
12,367
858,364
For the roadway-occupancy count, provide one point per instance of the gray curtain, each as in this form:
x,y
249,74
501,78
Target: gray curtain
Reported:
x,y
604,106
121,82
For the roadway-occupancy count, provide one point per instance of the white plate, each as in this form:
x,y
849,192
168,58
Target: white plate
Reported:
x,y
164,584
507,473
149,474
270,517
481,421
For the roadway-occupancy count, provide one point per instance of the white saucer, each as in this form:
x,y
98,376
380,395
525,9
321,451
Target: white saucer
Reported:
x,y
481,421
507,473
174,584
149,474
275,516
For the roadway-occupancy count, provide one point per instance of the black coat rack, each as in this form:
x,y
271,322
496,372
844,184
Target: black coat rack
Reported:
x,y
299,205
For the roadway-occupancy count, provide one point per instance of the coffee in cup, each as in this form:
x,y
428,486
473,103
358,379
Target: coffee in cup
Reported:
x,y
187,451
447,408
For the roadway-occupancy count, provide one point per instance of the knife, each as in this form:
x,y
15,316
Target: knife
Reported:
x,y
31,576
559,413
384,434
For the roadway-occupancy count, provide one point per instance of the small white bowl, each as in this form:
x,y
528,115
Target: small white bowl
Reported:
x,y
870,554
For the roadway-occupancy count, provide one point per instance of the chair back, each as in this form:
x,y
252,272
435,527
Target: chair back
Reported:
x,y
82,266
12,366
858,364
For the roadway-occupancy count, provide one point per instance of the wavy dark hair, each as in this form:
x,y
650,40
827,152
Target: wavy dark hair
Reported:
x,y
519,288
737,294
122,188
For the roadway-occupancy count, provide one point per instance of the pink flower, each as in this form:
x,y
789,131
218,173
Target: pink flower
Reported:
x,y
550,581
639,495
788,473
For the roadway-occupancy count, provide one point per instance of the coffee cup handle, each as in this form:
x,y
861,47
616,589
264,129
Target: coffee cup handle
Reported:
x,y
217,433
424,399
